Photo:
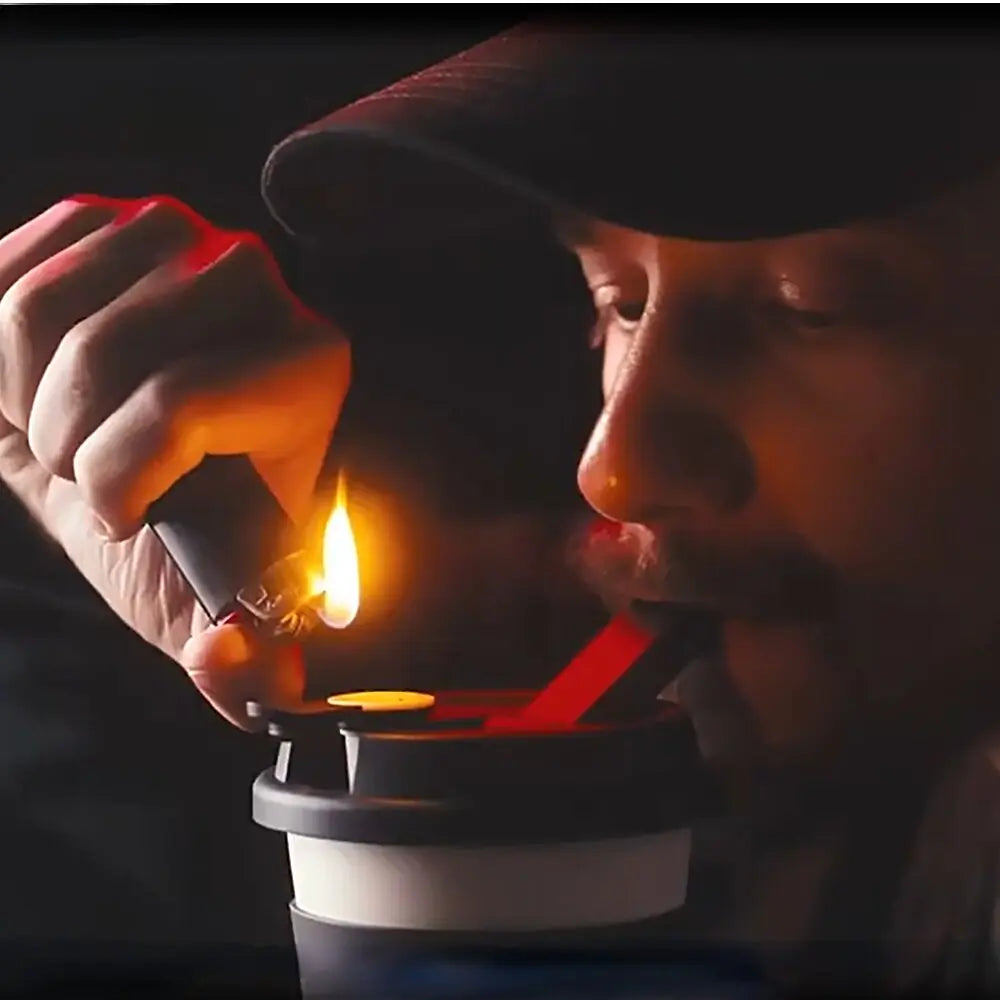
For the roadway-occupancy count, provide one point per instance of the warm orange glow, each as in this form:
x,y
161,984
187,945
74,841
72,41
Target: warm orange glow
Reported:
x,y
341,579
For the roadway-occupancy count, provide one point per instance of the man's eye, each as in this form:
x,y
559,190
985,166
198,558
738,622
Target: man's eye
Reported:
x,y
780,314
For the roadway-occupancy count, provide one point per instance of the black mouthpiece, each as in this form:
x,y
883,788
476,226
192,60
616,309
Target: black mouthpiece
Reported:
x,y
690,633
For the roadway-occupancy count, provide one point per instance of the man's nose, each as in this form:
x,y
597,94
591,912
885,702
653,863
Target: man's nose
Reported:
x,y
658,454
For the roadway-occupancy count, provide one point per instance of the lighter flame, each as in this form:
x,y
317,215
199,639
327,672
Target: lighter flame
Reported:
x,y
341,582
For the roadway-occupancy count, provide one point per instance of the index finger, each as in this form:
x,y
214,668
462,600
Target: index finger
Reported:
x,y
55,229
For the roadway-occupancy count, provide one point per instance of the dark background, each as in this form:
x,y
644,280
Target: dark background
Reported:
x,y
125,801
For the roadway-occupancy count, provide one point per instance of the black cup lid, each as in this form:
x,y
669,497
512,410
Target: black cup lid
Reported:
x,y
456,783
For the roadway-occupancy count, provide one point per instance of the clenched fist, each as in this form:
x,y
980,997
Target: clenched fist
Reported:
x,y
135,339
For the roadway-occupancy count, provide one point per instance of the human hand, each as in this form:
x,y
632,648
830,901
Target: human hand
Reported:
x,y
135,339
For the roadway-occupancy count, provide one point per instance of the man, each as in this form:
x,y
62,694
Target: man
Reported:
x,y
791,252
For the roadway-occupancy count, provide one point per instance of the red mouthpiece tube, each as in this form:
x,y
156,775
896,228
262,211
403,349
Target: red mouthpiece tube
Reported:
x,y
620,672
582,682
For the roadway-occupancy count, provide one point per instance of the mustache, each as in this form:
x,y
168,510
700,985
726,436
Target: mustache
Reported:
x,y
777,578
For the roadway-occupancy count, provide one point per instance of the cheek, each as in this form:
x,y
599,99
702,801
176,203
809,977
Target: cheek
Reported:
x,y
869,469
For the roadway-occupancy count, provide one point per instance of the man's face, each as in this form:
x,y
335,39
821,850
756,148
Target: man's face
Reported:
x,y
806,432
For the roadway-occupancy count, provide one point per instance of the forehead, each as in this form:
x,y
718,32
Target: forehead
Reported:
x,y
917,240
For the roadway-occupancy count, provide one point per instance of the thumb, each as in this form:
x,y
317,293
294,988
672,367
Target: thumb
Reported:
x,y
230,667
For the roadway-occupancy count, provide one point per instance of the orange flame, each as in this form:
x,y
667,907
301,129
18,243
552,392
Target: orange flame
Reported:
x,y
341,579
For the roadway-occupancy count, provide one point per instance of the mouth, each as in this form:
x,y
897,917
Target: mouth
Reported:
x,y
775,583
657,615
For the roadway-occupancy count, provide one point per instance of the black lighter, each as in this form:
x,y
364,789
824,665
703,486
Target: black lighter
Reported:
x,y
237,548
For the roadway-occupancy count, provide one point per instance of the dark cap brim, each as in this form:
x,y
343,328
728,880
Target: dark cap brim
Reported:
x,y
705,138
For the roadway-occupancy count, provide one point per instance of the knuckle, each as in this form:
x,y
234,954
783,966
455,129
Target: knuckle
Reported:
x,y
167,215
86,206
49,444
171,412
331,344
321,342
109,468
163,201
81,353
100,492
245,270
220,255
329,360
159,396
337,354
81,215
165,404
26,307
249,255
89,481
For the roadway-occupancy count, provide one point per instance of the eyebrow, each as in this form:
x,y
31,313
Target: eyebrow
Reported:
x,y
869,265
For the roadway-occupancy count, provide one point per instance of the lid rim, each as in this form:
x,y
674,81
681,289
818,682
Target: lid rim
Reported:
x,y
299,809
